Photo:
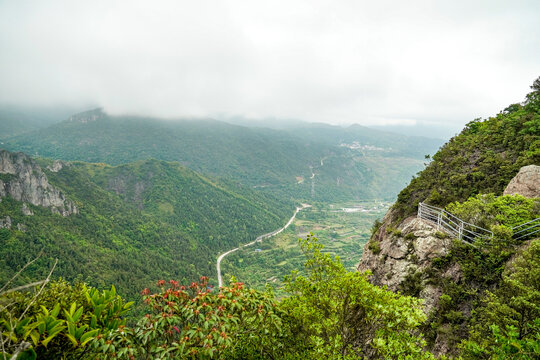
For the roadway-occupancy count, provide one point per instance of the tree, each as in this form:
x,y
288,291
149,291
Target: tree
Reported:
x,y
339,314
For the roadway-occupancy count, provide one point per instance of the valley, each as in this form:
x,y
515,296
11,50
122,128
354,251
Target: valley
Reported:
x,y
285,180
343,228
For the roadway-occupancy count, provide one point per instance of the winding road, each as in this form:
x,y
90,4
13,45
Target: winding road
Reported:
x,y
258,239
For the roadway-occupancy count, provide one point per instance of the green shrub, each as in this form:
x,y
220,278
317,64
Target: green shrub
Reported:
x,y
410,236
441,235
61,321
374,246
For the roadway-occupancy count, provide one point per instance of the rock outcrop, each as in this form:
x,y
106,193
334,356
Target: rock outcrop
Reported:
x,y
24,180
5,223
525,183
88,116
56,166
393,255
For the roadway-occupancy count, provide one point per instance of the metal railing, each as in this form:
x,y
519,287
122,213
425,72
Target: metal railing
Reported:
x,y
523,231
452,225
467,232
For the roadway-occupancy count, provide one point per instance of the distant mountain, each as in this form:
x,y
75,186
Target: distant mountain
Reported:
x,y
16,120
392,139
369,140
316,162
128,225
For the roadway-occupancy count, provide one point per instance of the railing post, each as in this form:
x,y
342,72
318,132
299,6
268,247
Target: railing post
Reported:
x,y
460,230
438,221
420,210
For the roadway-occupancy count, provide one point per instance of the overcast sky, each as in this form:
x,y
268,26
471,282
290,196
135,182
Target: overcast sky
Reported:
x,y
337,61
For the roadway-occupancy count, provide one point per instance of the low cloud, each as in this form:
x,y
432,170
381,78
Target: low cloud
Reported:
x,y
364,62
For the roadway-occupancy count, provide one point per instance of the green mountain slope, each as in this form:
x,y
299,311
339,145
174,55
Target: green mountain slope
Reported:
x,y
174,227
15,120
277,161
482,159
482,299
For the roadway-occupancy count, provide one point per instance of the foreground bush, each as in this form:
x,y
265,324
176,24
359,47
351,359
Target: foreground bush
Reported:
x,y
331,313
58,322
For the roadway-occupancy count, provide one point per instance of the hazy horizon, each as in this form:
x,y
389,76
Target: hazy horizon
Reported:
x,y
420,64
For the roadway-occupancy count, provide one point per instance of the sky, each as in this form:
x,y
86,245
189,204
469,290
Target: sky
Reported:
x,y
438,63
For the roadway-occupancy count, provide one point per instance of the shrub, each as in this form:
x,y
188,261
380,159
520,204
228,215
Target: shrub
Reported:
x,y
375,247
60,321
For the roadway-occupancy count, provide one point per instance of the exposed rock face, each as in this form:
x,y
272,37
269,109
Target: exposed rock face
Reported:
x,y
88,116
404,251
26,181
5,223
525,183
130,188
26,210
56,166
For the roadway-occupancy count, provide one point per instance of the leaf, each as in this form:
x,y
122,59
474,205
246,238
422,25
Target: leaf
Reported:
x,y
93,321
72,339
48,339
88,336
77,314
55,310
71,328
72,308
80,331
28,354
128,305
69,319
35,337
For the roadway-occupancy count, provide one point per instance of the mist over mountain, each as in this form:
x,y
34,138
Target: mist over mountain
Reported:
x,y
302,161
249,180
15,120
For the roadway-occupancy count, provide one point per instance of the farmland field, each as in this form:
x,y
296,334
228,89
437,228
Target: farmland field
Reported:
x,y
343,228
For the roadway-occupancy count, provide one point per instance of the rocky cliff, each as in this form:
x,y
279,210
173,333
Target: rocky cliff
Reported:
x,y
23,179
403,255
526,182
399,257
395,253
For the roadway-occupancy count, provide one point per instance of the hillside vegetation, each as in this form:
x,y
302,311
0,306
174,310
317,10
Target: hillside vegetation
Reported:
x,y
482,159
482,305
281,162
135,223
485,297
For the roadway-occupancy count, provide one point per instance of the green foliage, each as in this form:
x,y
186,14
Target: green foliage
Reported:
x,y
410,236
219,213
482,159
198,322
490,290
374,246
270,160
281,254
339,314
376,226
488,210
55,325
514,306
441,235
412,283
123,237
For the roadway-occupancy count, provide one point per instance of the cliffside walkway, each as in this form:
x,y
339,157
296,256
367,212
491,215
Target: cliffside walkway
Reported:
x,y
468,232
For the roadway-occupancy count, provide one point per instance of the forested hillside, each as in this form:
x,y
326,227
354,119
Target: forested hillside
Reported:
x,y
347,165
481,159
15,120
134,223
481,298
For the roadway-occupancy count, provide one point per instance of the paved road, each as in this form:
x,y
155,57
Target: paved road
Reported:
x,y
258,239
